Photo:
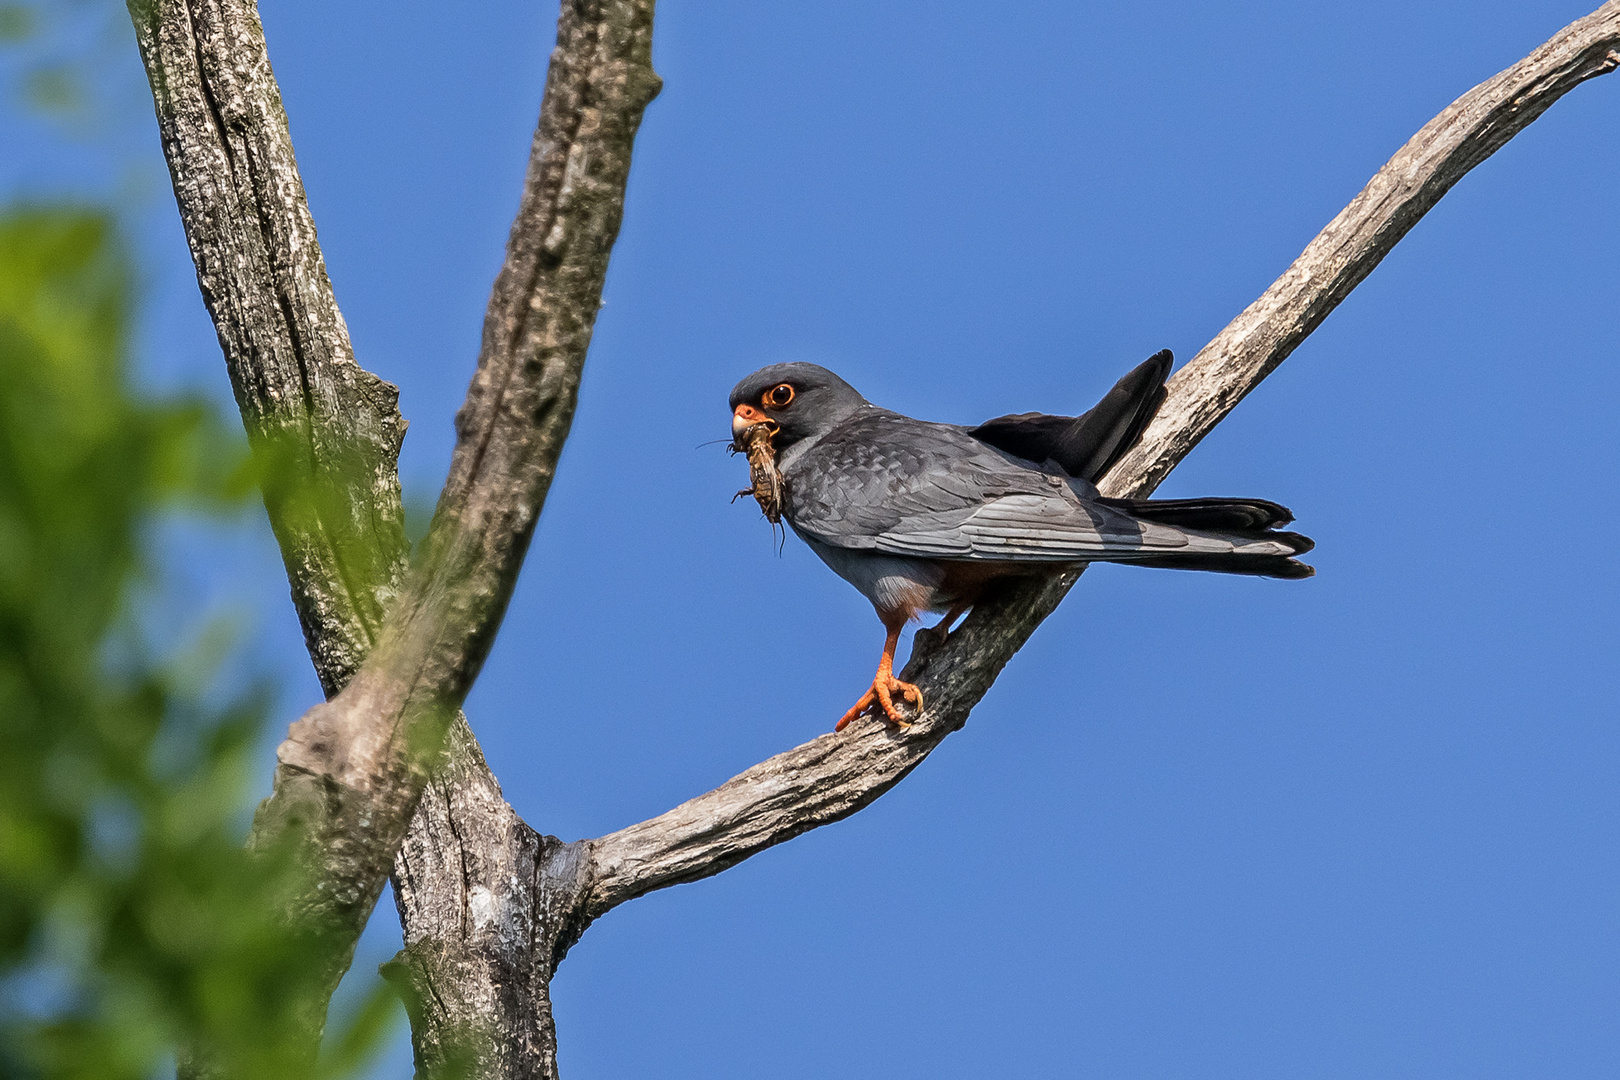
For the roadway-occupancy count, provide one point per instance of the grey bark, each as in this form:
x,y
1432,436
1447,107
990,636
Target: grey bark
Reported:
x,y
327,433
376,739
489,906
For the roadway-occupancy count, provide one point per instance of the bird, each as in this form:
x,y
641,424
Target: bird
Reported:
x,y
923,517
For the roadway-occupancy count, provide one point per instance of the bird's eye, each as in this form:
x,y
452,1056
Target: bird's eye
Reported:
x,y
779,395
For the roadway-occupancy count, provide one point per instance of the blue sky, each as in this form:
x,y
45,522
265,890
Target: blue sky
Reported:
x,y
1360,825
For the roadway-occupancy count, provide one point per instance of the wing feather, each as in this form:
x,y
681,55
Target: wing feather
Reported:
x,y
885,482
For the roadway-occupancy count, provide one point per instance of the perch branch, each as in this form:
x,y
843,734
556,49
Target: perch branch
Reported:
x,y
833,776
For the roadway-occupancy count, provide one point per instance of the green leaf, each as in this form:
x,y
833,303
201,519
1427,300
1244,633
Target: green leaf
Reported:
x,y
124,786
17,23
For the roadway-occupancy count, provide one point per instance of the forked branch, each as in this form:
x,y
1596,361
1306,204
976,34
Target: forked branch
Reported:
x,y
833,776
378,734
489,905
327,433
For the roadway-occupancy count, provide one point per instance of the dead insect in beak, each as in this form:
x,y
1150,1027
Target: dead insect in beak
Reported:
x,y
765,482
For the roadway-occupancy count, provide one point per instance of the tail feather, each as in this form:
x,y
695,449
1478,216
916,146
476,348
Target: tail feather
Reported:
x,y
1214,515
1278,562
1088,445
1273,566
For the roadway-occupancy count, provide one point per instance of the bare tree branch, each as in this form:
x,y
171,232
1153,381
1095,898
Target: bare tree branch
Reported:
x,y
1468,131
326,432
376,735
489,906
329,430
486,904
833,776
352,770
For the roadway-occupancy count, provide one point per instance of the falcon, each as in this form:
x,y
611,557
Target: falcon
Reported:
x,y
921,516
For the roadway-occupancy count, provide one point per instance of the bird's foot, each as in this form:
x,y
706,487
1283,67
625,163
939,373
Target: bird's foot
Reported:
x,y
884,689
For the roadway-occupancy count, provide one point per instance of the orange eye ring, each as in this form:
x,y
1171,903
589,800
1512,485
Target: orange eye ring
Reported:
x,y
777,396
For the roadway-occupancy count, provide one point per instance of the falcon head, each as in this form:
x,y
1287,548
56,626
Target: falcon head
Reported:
x,y
799,401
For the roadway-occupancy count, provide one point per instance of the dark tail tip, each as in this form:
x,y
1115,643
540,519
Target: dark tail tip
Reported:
x,y
1161,362
1300,542
1272,566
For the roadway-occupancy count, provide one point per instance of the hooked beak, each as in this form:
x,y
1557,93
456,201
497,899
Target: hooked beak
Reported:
x,y
745,417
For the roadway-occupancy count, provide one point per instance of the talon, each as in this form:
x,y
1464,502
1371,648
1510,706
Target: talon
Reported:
x,y
886,691
883,690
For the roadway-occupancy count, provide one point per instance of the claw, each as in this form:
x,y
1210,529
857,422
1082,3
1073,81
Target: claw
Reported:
x,y
884,688
882,693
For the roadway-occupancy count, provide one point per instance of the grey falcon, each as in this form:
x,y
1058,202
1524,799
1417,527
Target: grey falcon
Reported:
x,y
922,516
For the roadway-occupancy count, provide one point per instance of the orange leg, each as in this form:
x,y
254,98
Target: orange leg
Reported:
x,y
944,625
885,686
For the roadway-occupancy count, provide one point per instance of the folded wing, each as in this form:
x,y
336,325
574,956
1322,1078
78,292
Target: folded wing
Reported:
x,y
887,483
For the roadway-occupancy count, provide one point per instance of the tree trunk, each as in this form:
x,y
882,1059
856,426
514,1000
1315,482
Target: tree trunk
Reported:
x,y
489,907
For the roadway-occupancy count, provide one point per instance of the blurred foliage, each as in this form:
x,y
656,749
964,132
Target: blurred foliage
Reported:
x,y
66,59
132,920
16,23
